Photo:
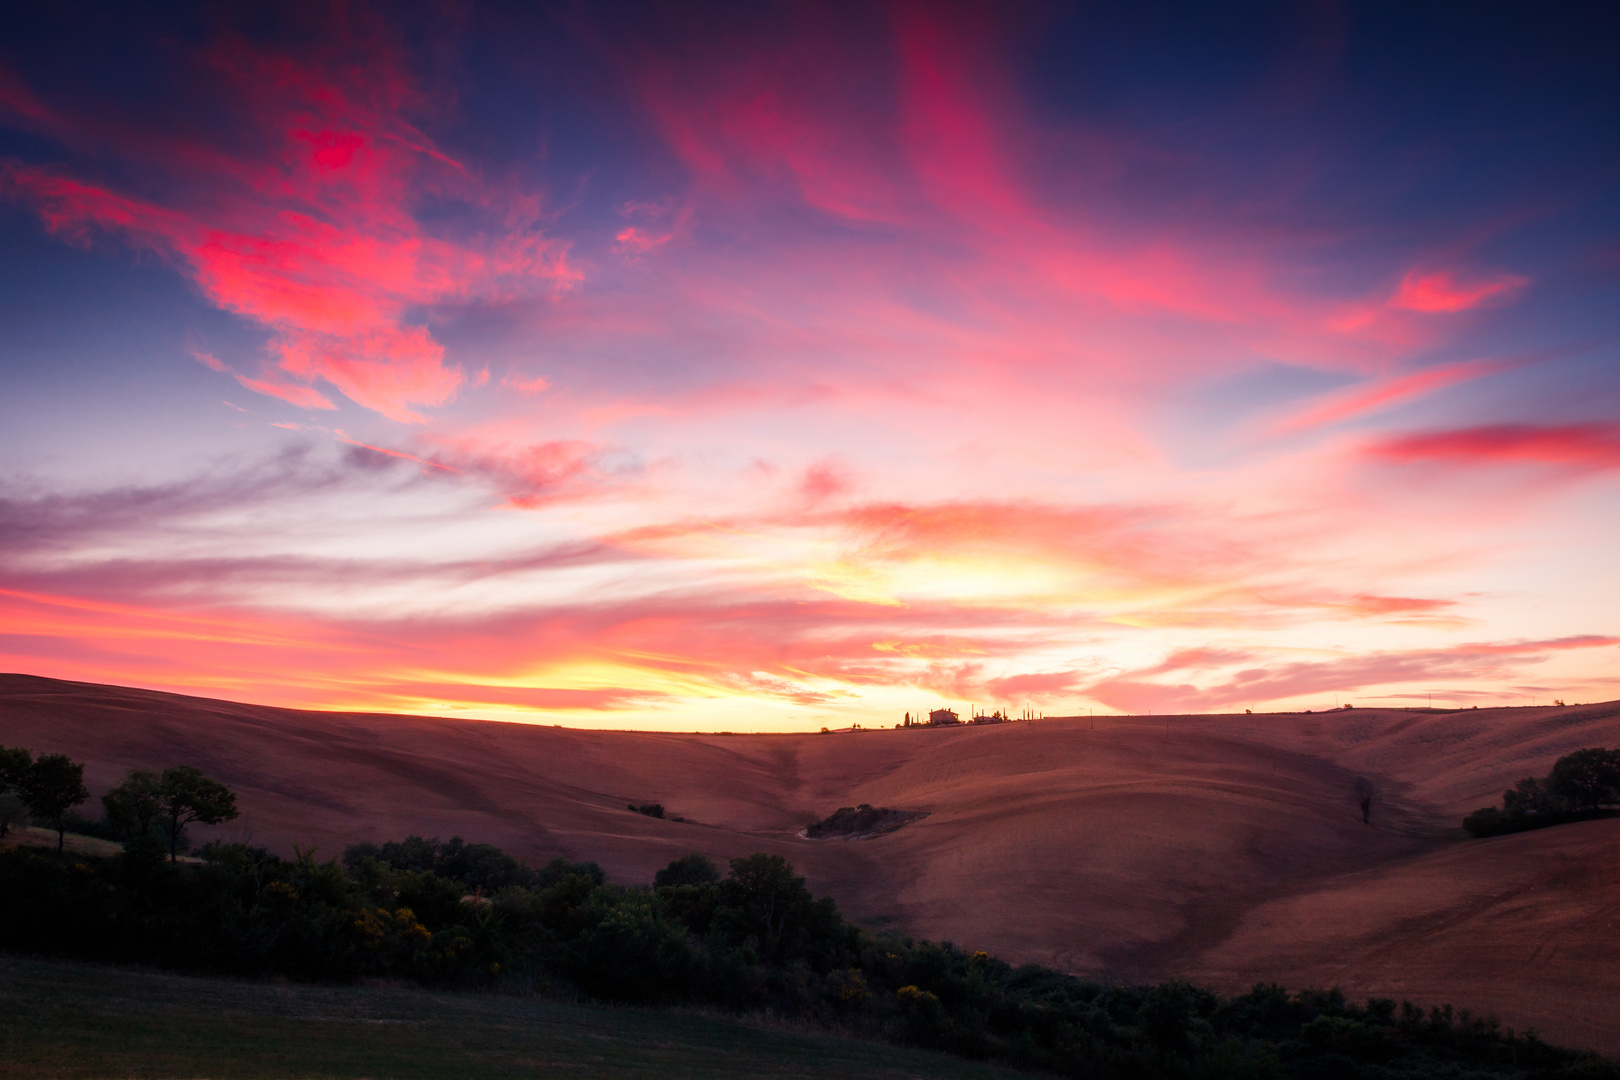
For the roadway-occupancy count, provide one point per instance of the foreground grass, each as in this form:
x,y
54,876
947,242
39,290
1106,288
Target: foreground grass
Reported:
x,y
62,1019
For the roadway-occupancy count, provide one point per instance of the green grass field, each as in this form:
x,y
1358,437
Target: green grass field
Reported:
x,y
84,1020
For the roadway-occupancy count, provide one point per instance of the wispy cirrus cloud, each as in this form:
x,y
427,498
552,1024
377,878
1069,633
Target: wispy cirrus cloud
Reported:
x,y
1362,400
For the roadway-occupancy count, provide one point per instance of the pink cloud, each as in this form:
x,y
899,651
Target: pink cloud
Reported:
x,y
528,475
1384,394
309,230
1377,606
824,480
1441,292
770,116
1039,686
934,143
394,453
1571,446
296,394
633,241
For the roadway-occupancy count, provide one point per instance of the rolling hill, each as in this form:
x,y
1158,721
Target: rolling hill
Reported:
x,y
1227,849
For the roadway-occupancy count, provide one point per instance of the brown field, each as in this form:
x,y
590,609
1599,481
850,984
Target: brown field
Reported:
x,y
1227,850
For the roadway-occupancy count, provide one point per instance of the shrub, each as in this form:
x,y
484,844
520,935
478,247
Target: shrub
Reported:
x,y
693,869
631,952
475,866
1579,785
924,1014
853,820
1588,779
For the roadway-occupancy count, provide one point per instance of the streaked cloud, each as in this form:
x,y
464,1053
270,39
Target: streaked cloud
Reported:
x,y
790,365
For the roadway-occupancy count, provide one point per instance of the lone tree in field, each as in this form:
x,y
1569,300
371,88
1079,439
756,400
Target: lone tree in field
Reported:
x,y
133,806
186,795
54,784
1366,794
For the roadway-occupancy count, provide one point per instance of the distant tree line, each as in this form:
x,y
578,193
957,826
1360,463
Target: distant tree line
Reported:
x,y
1579,787
752,939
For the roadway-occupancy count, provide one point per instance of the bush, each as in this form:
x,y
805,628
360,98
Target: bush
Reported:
x,y
632,952
693,869
1587,779
1578,786
475,866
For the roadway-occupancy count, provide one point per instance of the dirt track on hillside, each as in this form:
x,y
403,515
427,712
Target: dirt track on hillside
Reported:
x,y
1229,850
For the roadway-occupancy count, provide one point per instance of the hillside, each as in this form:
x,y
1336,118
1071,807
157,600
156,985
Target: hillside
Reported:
x,y
1228,848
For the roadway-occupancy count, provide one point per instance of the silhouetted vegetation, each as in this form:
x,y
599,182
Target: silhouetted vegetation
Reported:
x,y
693,869
1580,785
482,868
14,766
755,939
49,786
862,820
651,809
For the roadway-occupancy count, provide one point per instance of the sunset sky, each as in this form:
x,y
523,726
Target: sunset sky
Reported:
x,y
770,367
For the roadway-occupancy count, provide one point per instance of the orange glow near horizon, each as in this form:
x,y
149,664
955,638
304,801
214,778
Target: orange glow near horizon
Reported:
x,y
798,372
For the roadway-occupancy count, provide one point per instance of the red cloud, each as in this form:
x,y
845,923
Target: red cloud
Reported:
x,y
1441,292
308,227
1386,393
1572,446
330,149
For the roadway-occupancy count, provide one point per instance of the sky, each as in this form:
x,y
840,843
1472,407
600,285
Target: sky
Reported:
x,y
704,366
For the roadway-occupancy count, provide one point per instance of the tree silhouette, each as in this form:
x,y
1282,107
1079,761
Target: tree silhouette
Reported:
x,y
186,795
53,784
14,765
135,804
1587,778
